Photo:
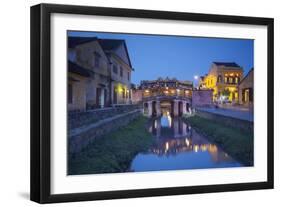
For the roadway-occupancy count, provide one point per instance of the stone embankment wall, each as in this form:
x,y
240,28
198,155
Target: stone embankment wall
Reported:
x,y
79,119
229,121
202,98
81,136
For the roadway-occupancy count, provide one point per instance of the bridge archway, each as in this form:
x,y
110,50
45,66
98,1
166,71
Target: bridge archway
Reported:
x,y
175,106
180,108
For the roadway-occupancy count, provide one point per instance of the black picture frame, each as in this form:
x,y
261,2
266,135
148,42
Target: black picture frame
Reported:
x,y
41,99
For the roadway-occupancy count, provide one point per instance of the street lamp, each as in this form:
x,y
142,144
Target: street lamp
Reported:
x,y
196,79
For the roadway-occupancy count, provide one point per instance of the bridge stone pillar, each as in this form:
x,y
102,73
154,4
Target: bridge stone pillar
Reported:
x,y
184,127
176,127
158,128
149,108
158,108
176,108
184,107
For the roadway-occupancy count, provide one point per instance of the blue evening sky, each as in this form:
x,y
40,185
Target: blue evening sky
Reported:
x,y
154,56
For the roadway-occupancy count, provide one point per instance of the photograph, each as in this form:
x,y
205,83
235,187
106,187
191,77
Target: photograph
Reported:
x,y
140,103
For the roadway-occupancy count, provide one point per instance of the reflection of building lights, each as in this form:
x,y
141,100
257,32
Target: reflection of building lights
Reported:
x,y
213,148
167,88
203,147
187,142
146,91
166,91
155,124
167,146
196,148
169,119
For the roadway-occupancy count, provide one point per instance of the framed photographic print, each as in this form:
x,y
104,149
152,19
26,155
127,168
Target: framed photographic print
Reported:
x,y
133,103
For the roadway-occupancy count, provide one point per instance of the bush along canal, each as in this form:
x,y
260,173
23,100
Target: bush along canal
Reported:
x,y
237,142
112,152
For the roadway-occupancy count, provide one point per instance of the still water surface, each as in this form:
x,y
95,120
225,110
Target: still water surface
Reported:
x,y
177,147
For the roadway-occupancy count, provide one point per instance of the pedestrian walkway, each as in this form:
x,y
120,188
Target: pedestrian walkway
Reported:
x,y
235,113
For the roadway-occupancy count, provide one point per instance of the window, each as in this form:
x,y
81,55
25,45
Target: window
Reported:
x,y
236,79
230,80
69,93
97,59
124,93
115,69
219,78
121,71
128,76
225,79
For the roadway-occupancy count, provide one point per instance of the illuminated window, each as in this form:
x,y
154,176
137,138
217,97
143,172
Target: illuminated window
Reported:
x,y
219,79
225,79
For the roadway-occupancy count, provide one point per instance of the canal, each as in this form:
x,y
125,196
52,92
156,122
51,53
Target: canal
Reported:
x,y
178,146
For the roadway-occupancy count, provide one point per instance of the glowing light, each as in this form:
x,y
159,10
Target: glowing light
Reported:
x,y
167,146
187,142
155,124
196,148
119,89
146,91
196,77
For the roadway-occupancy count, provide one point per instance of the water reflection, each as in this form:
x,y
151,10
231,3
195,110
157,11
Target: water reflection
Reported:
x,y
178,146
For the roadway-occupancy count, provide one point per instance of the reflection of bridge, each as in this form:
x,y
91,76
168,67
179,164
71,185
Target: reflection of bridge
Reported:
x,y
166,94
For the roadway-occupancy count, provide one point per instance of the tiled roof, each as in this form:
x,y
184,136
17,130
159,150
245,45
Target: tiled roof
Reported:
x,y
227,64
106,44
74,68
110,44
74,41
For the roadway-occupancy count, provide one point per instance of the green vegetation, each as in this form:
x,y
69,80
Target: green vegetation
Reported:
x,y
236,142
113,152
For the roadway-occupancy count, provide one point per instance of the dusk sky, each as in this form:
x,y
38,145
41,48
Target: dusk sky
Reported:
x,y
154,56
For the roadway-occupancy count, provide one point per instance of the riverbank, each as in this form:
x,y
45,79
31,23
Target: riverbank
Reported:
x,y
236,142
113,152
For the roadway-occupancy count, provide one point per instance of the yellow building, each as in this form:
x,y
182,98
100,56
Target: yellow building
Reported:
x,y
246,89
223,78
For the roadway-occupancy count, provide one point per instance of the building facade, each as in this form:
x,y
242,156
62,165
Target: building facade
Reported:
x,y
223,78
100,58
246,89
